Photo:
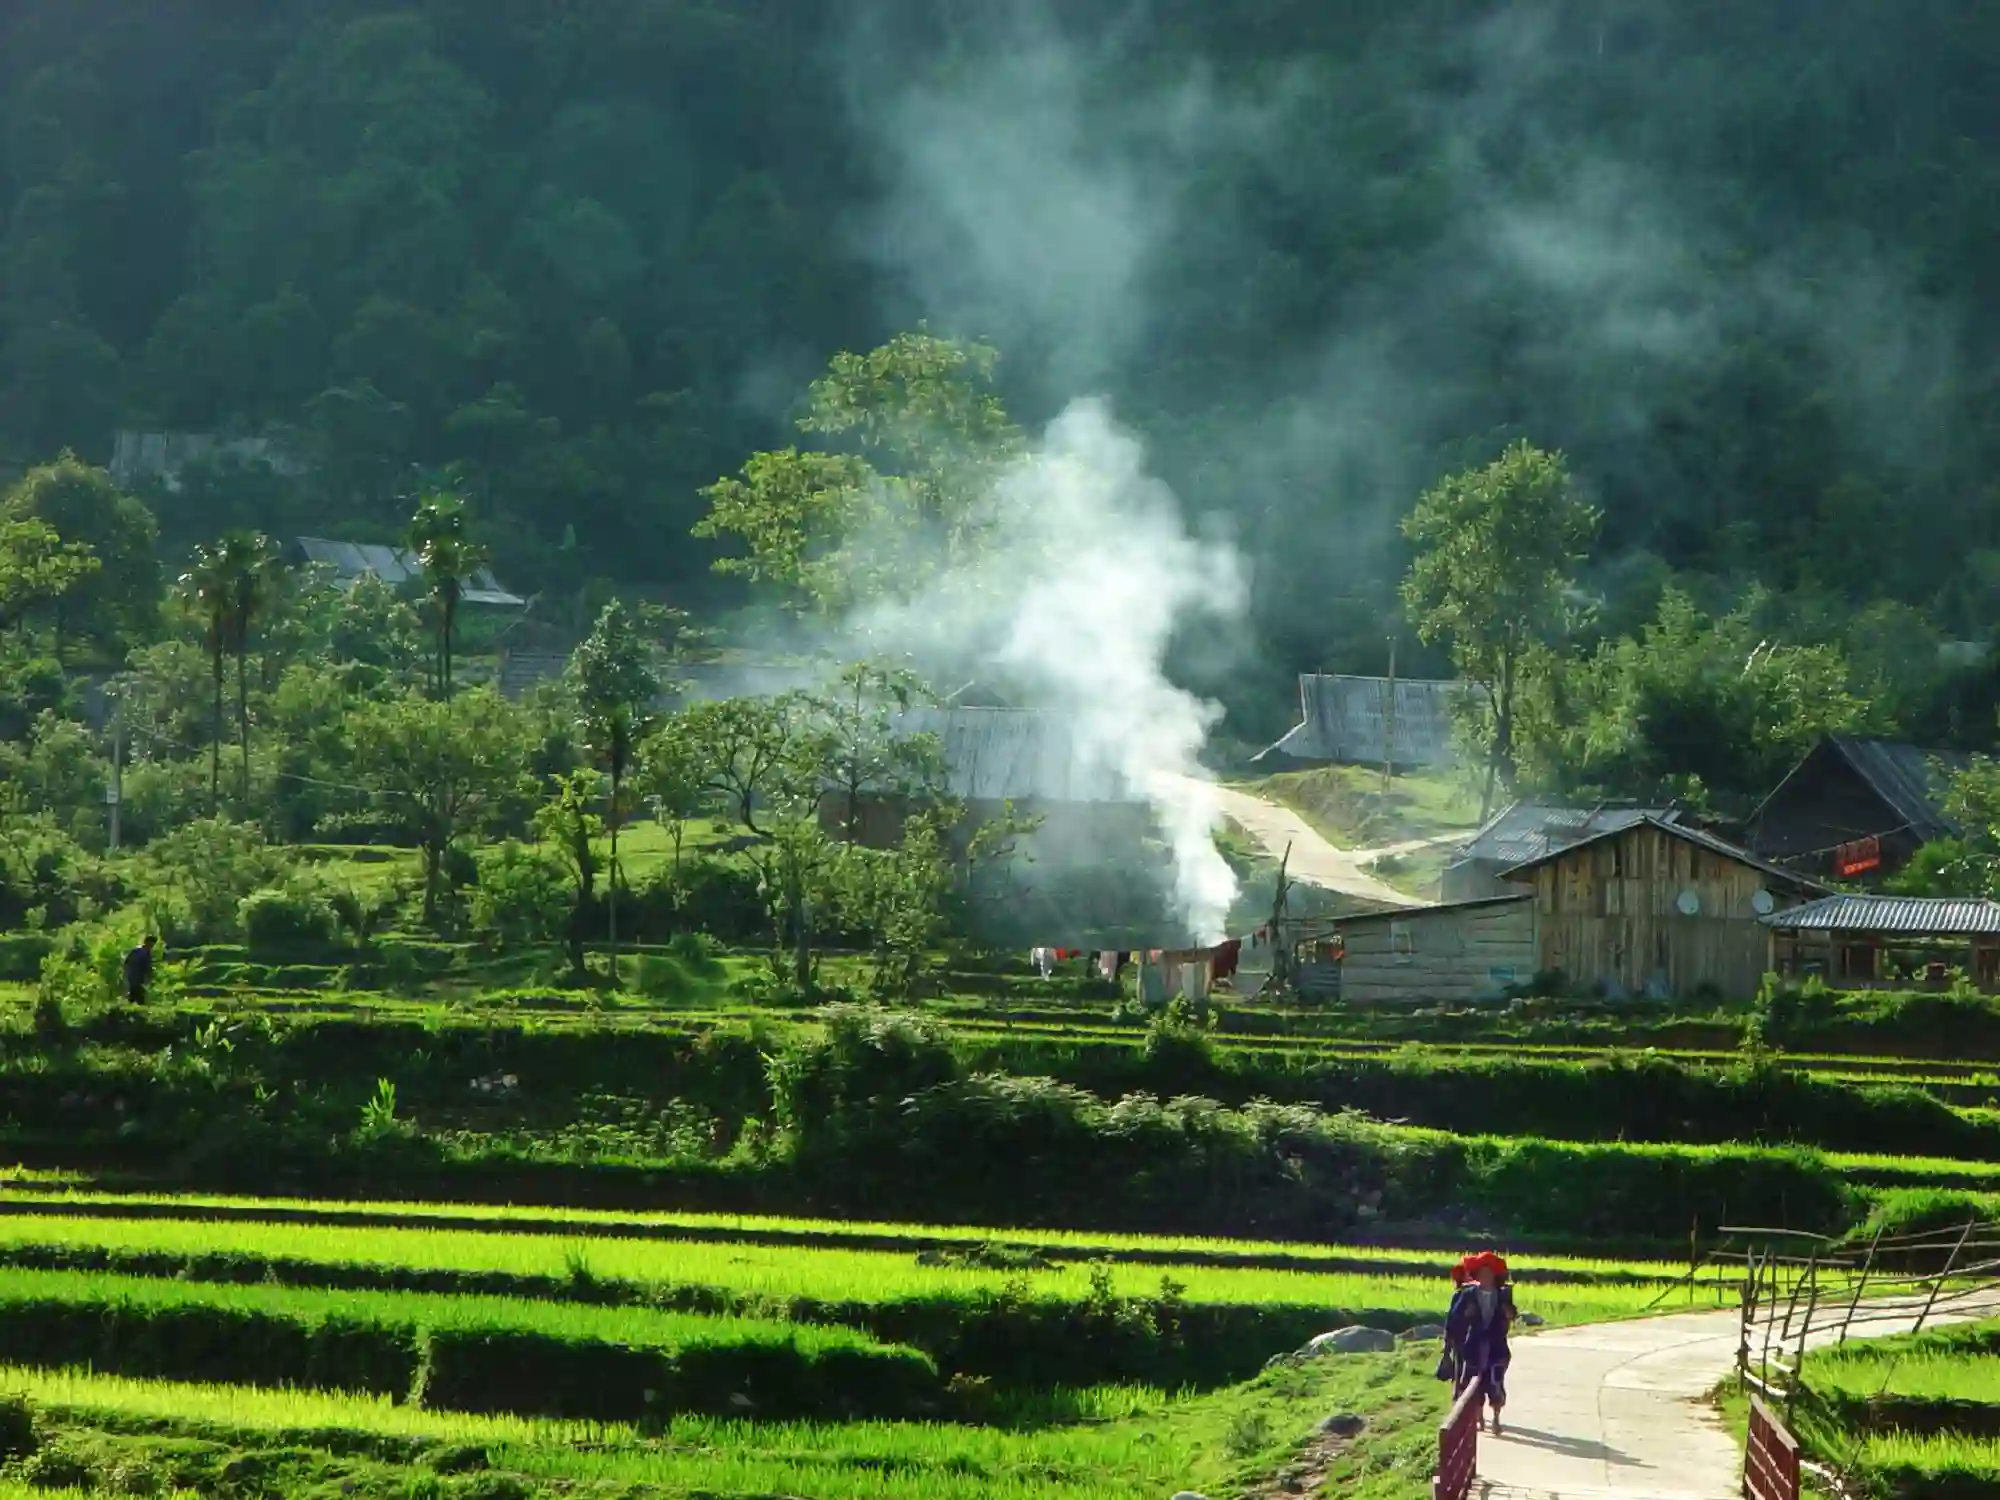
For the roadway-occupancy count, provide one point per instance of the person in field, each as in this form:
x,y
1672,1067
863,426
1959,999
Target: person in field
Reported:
x,y
139,970
1475,1329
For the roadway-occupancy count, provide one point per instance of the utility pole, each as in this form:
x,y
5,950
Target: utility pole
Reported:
x,y
1389,725
115,793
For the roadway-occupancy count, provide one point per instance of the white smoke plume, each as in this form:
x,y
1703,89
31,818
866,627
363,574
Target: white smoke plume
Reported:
x,y
1087,572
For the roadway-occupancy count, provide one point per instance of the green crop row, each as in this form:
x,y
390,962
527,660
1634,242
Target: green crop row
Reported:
x,y
1021,1324
457,1352
222,1216
1916,1417
1126,1444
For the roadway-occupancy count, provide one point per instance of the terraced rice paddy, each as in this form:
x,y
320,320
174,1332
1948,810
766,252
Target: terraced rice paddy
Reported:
x,y
1910,1418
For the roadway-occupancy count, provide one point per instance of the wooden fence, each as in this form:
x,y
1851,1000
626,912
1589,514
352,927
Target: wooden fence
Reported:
x,y
1770,1458
1458,1446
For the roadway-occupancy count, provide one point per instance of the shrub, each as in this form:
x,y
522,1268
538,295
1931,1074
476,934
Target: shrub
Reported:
x,y
208,867
280,921
21,954
863,1063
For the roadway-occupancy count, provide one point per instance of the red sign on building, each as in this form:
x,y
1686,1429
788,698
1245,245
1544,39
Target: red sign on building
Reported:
x,y
1858,857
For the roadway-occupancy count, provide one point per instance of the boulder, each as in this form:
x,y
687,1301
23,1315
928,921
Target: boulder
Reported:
x,y
1188,1495
1343,1424
1423,1332
1532,1320
1357,1339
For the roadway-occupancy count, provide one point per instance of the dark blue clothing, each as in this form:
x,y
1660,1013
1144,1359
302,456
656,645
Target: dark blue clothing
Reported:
x,y
138,969
1474,1347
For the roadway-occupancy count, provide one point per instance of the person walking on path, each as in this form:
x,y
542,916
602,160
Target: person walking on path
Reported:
x,y
139,970
1475,1330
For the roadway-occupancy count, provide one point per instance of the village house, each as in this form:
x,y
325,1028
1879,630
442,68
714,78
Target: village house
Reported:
x,y
1527,830
1862,941
1855,809
349,562
1659,910
1367,721
1461,952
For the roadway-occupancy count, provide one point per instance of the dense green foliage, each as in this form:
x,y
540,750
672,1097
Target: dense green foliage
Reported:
x,y
581,258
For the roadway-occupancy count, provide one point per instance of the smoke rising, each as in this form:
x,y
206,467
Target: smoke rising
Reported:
x,y
1087,573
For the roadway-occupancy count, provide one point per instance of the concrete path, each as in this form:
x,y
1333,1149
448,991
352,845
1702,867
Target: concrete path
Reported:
x,y
1617,1411
1314,860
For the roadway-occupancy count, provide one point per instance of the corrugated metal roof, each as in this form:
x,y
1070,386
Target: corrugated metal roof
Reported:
x,y
1442,908
395,567
1528,830
1345,719
1017,754
1935,916
1906,778
1791,879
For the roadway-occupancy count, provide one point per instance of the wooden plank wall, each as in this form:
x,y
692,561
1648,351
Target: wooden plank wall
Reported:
x,y
1441,954
1607,912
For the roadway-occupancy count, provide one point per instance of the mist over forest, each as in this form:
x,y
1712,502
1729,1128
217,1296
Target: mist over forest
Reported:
x,y
1732,260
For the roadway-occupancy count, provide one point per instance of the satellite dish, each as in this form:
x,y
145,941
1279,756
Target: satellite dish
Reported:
x,y
1762,902
1689,902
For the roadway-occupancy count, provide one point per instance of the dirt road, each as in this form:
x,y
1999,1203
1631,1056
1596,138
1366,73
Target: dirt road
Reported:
x,y
1314,860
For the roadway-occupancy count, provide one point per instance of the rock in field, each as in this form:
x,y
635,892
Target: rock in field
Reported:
x,y
1423,1332
1343,1424
1533,1320
1188,1495
1357,1339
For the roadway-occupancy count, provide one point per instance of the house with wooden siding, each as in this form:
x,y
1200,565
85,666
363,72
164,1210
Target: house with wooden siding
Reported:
x,y
1855,809
1462,952
1658,909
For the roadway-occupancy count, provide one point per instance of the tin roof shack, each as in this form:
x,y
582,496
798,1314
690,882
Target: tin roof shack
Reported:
x,y
395,566
1855,809
1359,720
1528,830
1029,758
1658,909
1464,951
1908,942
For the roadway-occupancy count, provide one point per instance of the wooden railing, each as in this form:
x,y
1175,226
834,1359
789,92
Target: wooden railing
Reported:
x,y
1770,1458
1458,1446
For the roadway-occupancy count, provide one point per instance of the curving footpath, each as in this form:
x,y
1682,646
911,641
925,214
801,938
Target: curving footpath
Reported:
x,y
1618,1411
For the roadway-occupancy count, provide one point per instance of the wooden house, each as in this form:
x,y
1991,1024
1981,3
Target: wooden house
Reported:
x,y
1466,951
1855,809
1858,941
1658,909
1527,830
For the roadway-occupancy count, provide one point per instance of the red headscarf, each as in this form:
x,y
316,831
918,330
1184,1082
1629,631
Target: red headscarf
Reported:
x,y
1468,1269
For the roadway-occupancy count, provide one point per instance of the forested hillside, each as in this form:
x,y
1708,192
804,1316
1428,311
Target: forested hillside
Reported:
x,y
1734,260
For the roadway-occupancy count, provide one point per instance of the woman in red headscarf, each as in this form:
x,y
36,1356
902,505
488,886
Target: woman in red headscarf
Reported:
x,y
1475,1330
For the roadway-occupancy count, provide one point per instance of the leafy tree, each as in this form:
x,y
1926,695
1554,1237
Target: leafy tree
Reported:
x,y
830,530
567,822
868,751
673,779
207,591
439,770
616,688
1495,550
250,562
36,566
85,508
755,751
450,560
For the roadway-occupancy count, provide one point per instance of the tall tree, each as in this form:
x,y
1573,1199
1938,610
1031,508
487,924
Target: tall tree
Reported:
x,y
83,506
450,559
249,562
207,592
37,565
617,690
1496,548
439,769
833,529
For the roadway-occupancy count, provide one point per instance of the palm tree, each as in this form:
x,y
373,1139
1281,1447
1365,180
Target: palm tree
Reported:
x,y
449,558
207,592
249,562
616,687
